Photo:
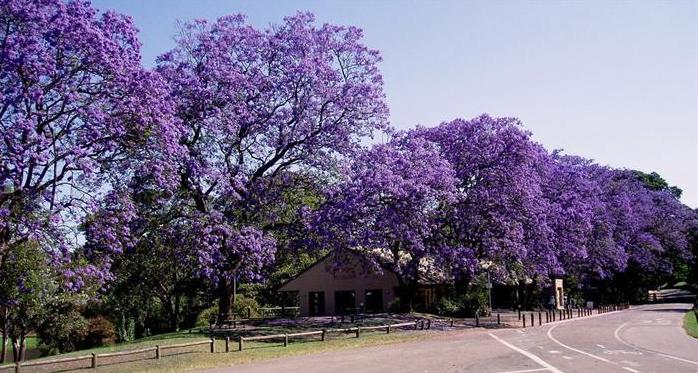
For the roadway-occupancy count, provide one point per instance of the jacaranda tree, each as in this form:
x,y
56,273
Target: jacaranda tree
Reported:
x,y
390,208
77,113
257,107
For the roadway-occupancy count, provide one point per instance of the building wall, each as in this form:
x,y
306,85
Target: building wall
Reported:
x,y
353,275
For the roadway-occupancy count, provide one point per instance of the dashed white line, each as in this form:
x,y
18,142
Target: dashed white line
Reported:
x,y
631,370
527,354
616,334
550,336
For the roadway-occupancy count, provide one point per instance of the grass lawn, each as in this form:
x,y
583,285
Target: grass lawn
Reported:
x,y
691,324
199,357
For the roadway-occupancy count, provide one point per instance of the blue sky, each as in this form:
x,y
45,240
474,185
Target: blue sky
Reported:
x,y
613,81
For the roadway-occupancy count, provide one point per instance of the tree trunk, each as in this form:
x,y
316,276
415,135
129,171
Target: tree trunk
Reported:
x,y
15,350
22,347
4,345
224,299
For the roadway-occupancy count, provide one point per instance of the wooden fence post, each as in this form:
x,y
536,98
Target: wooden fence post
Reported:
x,y
157,351
285,340
358,331
322,336
94,360
524,322
533,322
540,318
387,330
452,323
415,325
477,319
498,319
213,345
519,311
240,343
227,343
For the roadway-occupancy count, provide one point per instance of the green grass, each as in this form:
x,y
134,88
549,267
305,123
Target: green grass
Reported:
x,y
199,357
261,351
690,323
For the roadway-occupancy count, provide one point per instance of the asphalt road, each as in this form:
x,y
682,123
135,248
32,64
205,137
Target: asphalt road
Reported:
x,y
641,339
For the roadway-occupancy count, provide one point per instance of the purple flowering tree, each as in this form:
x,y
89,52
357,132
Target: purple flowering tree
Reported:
x,y
390,208
262,111
77,112
498,220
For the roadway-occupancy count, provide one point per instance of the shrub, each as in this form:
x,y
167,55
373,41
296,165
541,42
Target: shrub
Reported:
x,y
207,316
242,304
100,332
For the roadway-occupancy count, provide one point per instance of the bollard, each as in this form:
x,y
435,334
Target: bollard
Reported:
x,y
286,338
322,336
227,344
451,323
240,343
540,319
358,330
94,360
157,352
524,322
519,313
533,322
546,317
387,330
213,345
498,321
477,320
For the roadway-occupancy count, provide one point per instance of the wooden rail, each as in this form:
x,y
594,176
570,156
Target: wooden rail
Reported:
x,y
95,357
322,333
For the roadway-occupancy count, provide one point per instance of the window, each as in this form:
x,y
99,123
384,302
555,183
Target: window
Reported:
x,y
344,302
374,301
316,303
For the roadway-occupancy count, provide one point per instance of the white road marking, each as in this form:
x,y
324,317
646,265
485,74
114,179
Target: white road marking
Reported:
x,y
553,352
527,354
631,370
566,357
616,334
602,346
550,336
526,371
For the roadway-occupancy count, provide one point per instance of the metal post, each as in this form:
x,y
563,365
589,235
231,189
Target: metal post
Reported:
x,y
519,311
498,320
540,318
533,322
524,322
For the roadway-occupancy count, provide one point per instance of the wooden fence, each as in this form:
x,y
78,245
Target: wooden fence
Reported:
x,y
94,358
322,333
157,351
